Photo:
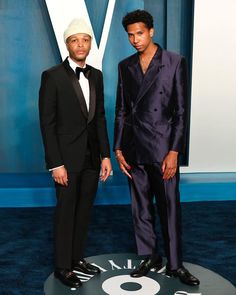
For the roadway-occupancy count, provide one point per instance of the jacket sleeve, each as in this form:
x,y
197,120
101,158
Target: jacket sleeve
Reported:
x,y
119,113
101,121
47,117
178,135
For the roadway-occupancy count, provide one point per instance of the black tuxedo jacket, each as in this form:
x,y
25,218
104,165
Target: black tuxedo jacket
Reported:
x,y
67,127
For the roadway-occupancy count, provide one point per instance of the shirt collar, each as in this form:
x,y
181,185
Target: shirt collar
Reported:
x,y
73,64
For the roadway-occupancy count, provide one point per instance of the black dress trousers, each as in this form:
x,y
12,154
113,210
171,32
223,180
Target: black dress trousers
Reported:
x,y
72,214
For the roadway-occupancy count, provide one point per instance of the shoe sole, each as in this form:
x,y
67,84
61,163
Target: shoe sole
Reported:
x,y
156,267
65,283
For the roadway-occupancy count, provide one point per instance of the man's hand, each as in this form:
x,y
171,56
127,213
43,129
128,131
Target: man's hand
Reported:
x,y
105,169
60,176
169,165
124,166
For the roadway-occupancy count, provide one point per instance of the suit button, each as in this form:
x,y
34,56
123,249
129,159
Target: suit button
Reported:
x,y
155,110
160,92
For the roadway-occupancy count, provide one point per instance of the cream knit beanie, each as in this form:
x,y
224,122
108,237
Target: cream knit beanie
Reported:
x,y
78,25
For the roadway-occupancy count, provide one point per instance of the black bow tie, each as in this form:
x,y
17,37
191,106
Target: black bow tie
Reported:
x,y
85,71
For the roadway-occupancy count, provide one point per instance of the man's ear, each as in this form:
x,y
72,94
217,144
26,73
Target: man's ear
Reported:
x,y
151,32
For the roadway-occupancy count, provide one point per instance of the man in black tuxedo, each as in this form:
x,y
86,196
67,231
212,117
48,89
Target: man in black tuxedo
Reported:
x,y
73,126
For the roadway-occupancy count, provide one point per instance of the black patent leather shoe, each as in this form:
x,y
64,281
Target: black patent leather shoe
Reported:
x,y
67,277
86,267
145,267
184,275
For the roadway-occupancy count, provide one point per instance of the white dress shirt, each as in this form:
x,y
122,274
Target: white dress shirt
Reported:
x,y
84,83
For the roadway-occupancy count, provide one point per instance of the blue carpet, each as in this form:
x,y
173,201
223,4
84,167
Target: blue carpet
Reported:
x,y
26,252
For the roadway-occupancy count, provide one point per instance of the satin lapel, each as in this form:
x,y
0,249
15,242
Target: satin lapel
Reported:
x,y
77,88
135,69
152,75
92,97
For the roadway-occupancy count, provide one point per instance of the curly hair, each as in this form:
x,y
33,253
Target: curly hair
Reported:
x,y
136,17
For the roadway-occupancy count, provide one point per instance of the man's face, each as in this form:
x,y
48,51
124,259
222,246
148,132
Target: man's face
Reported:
x,y
140,37
78,46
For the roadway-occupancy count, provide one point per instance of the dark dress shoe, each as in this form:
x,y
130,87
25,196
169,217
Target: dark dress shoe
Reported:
x,y
145,267
184,275
67,277
86,267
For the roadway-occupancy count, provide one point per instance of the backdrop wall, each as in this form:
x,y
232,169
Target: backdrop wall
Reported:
x,y
213,120
28,46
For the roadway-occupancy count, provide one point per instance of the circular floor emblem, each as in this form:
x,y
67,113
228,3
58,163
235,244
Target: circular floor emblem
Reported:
x,y
116,286
115,280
